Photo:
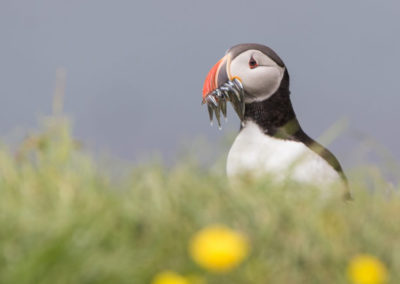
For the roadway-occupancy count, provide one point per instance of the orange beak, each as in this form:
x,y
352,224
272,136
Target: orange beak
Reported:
x,y
220,87
211,82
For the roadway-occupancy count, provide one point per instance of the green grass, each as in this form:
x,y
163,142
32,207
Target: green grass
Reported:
x,y
64,220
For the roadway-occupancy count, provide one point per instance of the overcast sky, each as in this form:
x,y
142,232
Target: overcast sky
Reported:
x,y
135,69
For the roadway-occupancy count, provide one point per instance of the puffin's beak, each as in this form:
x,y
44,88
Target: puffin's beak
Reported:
x,y
211,82
219,87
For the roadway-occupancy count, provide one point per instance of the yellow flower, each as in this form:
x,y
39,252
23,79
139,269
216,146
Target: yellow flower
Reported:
x,y
366,269
218,248
169,277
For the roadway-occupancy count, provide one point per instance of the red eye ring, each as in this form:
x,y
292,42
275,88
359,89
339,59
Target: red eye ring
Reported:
x,y
252,63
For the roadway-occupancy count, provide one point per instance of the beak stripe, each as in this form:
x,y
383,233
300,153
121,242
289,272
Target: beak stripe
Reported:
x,y
228,66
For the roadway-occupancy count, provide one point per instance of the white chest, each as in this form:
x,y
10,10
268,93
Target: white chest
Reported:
x,y
258,154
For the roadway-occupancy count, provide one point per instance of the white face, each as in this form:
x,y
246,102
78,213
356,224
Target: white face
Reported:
x,y
260,75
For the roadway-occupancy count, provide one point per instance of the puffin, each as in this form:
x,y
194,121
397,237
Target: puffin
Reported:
x,y
255,80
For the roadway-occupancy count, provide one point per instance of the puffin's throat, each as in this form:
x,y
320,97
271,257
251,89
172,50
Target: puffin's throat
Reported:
x,y
274,115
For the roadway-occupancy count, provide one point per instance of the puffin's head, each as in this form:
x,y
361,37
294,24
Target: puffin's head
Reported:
x,y
257,67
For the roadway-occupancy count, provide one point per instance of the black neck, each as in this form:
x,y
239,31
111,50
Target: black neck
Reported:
x,y
274,115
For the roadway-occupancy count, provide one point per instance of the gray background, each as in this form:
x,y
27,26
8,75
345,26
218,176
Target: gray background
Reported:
x,y
135,69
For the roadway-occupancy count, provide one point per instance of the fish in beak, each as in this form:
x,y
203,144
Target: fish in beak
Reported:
x,y
219,88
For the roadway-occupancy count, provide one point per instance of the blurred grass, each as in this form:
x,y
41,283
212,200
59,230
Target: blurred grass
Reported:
x,y
63,220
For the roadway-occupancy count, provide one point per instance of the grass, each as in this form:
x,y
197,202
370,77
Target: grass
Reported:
x,y
63,220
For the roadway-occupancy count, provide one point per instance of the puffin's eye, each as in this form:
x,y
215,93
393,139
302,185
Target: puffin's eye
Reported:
x,y
252,63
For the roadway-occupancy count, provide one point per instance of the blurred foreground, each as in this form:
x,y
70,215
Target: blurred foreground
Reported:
x,y
63,220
